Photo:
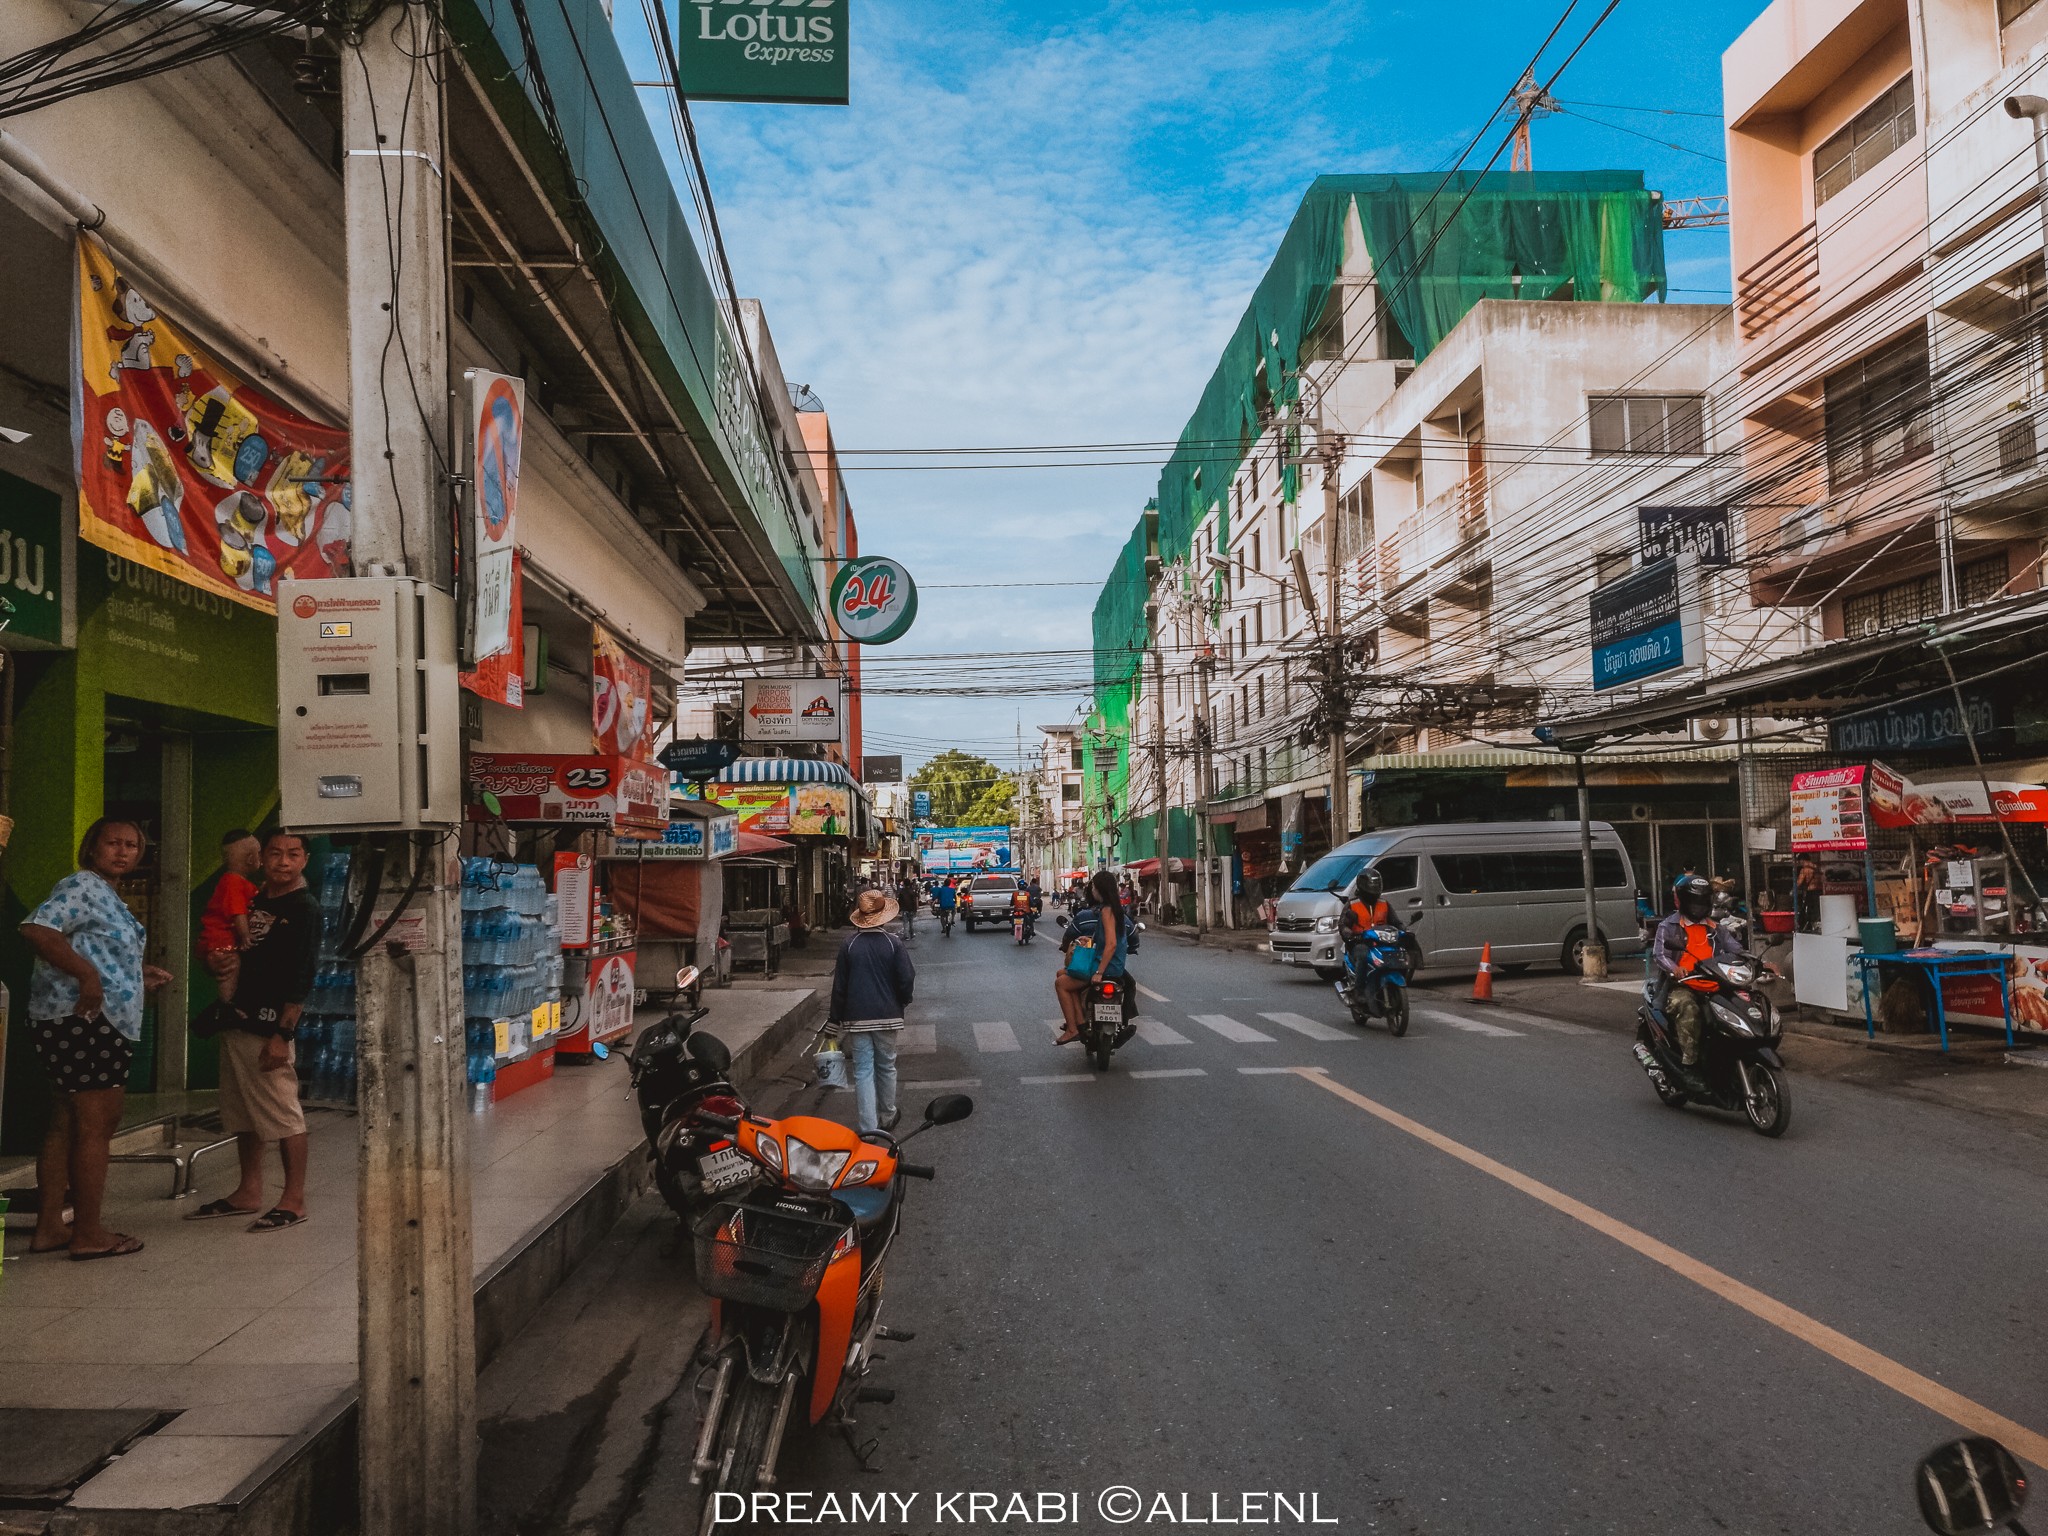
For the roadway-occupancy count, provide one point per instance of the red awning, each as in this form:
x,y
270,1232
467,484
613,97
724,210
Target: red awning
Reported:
x,y
1148,869
761,842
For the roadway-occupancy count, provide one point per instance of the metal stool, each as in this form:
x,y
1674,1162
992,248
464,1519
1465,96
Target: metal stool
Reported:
x,y
180,1154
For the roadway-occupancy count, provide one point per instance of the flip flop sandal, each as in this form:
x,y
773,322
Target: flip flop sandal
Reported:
x,y
53,1248
214,1210
276,1220
120,1250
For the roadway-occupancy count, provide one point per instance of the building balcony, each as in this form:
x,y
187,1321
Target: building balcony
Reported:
x,y
1779,287
1445,545
1997,463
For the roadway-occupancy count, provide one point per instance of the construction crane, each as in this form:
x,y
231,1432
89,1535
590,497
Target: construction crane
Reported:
x,y
1531,102
1696,212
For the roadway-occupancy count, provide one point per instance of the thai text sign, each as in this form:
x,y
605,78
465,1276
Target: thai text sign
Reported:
x,y
184,468
792,52
575,790
1827,811
1647,623
791,708
1915,727
1702,532
31,563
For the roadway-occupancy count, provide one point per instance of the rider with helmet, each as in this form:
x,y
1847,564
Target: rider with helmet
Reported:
x,y
1687,936
1368,909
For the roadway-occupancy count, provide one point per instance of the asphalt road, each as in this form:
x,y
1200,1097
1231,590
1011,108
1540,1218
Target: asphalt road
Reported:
x,y
1507,1292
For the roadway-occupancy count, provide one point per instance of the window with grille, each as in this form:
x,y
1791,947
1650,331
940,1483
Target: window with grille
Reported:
x,y
1911,602
1879,412
1880,128
1647,424
1074,758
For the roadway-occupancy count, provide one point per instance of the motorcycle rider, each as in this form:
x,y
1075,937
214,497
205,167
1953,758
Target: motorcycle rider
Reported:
x,y
1021,905
1102,923
1687,936
947,901
1366,910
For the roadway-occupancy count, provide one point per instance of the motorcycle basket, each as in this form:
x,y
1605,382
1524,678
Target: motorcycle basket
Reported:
x,y
775,1261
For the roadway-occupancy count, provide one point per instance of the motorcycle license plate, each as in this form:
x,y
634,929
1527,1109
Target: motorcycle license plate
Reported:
x,y
724,1168
1108,1013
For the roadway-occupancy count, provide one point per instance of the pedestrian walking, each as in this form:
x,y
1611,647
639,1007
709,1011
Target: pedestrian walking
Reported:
x,y
259,1083
907,897
872,981
84,1018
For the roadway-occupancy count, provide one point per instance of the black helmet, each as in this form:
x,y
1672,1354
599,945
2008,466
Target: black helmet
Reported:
x,y
1371,885
1695,896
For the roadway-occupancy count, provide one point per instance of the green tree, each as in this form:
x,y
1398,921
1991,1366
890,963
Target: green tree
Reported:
x,y
956,781
996,806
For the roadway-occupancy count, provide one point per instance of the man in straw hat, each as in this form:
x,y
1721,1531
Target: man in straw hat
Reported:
x,y
872,981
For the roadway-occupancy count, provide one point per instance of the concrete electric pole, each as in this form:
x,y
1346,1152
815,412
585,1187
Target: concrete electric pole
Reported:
x,y
1159,837
1331,449
417,1338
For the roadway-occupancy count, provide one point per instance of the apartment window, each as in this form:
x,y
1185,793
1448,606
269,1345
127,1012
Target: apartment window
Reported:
x,y
1074,759
1259,623
1911,602
1262,766
1255,477
1872,134
1262,695
1257,563
1879,412
2010,11
1647,424
1242,649
1070,794
1283,610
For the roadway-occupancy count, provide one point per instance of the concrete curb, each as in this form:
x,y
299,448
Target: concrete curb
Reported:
x,y
309,1487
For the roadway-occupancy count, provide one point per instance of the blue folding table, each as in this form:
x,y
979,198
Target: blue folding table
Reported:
x,y
1940,963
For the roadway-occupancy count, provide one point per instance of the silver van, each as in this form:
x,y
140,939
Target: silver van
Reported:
x,y
1517,885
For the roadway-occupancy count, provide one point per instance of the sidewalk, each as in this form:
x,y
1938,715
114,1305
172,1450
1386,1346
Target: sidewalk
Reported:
x,y
225,1362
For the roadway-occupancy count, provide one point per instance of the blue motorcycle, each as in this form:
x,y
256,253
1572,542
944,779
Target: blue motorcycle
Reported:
x,y
1381,992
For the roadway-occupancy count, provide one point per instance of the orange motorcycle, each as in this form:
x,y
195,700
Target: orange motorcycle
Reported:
x,y
793,1267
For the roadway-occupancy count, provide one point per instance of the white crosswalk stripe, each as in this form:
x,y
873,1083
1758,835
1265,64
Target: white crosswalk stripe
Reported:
x,y
1313,1028
1459,1021
1537,1021
1061,1077
917,1040
1230,1029
996,1036
1171,1072
1152,1032
1145,991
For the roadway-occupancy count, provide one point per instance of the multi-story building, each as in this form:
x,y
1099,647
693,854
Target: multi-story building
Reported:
x,y
1049,808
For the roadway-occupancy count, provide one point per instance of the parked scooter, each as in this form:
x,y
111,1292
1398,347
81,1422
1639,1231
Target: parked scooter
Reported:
x,y
1382,991
793,1267
1739,1066
679,1074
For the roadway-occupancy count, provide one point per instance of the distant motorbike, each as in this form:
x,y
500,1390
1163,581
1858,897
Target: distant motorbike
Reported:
x,y
1109,1012
946,922
793,1267
1023,923
680,1074
1739,1066
1382,991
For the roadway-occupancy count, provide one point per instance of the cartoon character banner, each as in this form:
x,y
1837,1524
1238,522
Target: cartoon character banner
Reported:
x,y
186,469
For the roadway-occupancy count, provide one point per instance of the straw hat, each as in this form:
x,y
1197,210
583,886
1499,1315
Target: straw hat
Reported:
x,y
873,910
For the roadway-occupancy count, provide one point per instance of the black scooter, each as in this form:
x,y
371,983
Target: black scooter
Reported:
x,y
1739,1065
680,1073
1109,1012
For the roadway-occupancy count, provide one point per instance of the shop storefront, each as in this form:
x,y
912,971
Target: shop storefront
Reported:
x,y
815,806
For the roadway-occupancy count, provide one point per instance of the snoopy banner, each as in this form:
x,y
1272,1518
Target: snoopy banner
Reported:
x,y
184,468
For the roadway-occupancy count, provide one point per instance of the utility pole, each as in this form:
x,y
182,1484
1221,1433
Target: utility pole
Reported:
x,y
1205,788
1331,449
1159,838
1593,961
416,1339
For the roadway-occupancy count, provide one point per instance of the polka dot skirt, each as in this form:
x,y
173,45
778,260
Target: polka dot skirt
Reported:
x,y
82,1054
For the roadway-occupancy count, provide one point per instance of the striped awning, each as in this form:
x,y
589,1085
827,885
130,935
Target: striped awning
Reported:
x,y
786,770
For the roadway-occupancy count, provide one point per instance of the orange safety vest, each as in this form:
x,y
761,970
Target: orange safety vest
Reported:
x,y
1372,916
1699,945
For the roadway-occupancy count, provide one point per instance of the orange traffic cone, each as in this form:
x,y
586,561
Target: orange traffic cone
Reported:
x,y
1482,984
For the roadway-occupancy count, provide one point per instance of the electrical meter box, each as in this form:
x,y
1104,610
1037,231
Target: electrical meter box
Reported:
x,y
369,717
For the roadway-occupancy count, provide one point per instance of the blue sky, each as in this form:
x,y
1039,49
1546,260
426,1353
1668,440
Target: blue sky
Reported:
x,y
1037,223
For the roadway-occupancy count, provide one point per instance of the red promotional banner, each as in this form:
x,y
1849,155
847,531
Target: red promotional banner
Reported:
x,y
569,789
186,469
1896,801
1828,811
621,701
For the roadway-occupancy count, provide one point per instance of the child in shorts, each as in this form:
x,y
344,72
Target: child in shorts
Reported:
x,y
224,926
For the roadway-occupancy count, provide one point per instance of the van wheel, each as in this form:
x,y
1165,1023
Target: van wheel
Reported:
x,y
1572,957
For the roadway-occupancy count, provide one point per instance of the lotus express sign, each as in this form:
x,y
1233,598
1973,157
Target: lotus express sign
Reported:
x,y
764,50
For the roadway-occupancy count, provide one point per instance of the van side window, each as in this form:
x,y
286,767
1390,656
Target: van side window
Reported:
x,y
1400,873
1473,874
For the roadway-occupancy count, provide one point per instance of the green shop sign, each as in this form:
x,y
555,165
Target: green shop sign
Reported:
x,y
762,50
163,641
31,562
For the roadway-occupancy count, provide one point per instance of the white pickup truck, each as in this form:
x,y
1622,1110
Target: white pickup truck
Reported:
x,y
987,899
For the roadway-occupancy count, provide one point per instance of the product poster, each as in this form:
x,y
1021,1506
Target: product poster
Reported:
x,y
186,469
820,810
621,701
502,678
1827,811
1897,801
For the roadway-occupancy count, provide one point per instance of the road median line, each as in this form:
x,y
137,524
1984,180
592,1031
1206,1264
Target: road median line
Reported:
x,y
1928,1393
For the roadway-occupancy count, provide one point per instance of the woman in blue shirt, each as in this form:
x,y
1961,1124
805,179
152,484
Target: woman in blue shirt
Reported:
x,y
85,1015
1102,925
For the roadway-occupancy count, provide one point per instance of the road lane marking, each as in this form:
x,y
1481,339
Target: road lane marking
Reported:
x,y
996,1036
1276,1071
1145,991
1172,1072
1313,1028
944,1082
1231,1030
1884,1370
1538,1021
1152,1032
1470,1026
918,1040
1061,1077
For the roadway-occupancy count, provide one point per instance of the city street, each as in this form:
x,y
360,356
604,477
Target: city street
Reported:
x,y
1270,1252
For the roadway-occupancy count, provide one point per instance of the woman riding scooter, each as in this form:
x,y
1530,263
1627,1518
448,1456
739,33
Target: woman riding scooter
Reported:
x,y
1100,924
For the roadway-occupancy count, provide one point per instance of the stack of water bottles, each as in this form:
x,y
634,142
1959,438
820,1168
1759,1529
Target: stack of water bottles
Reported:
x,y
327,1025
511,961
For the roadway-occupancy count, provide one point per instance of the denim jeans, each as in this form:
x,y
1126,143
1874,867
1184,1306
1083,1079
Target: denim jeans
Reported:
x,y
872,1055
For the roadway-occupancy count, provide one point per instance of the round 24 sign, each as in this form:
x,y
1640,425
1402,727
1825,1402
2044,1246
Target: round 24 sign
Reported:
x,y
873,600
